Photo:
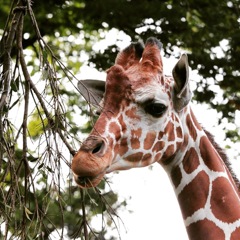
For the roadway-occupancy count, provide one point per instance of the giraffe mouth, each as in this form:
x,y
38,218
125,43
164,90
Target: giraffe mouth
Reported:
x,y
88,181
90,163
93,181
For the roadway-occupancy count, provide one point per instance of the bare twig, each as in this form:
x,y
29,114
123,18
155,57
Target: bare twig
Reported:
x,y
24,126
19,174
7,53
84,221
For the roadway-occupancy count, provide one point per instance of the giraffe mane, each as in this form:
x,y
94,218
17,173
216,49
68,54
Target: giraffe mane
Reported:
x,y
224,157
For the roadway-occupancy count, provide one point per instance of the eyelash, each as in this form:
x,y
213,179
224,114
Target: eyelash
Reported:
x,y
152,108
155,109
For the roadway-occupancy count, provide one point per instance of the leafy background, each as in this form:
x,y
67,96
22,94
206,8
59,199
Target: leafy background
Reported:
x,y
44,46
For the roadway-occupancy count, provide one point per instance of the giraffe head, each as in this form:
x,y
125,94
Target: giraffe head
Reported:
x,y
139,114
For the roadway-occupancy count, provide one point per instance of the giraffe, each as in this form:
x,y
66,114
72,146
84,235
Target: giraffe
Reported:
x,y
146,117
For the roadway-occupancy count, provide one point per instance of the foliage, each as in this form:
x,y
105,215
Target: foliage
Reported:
x,y
208,30
38,107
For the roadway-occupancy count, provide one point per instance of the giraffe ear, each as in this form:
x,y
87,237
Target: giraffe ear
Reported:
x,y
182,92
92,90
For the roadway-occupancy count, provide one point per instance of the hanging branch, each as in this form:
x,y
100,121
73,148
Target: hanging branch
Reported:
x,y
19,175
7,44
18,12
24,126
84,221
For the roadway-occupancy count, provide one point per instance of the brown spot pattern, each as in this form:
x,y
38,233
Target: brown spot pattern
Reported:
x,y
194,196
157,157
185,142
205,230
136,133
236,234
145,159
223,200
209,155
170,130
179,144
179,132
158,146
168,153
176,176
191,128
149,140
190,160
122,123
196,123
135,157
123,146
115,129
135,143
162,80
131,113
146,156
160,135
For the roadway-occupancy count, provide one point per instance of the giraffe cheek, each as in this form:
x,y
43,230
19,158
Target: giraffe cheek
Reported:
x,y
121,148
149,140
135,157
135,143
114,129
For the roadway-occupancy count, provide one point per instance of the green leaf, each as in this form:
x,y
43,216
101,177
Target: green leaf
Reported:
x,y
41,165
15,85
31,158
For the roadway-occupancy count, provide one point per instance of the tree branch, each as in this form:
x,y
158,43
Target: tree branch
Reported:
x,y
7,53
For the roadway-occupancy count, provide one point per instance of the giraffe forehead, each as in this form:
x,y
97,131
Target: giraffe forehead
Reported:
x,y
153,86
152,91
136,84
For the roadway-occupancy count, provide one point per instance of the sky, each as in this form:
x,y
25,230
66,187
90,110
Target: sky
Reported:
x,y
152,211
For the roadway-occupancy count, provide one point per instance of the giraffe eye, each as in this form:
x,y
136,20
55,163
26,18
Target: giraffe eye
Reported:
x,y
155,109
97,112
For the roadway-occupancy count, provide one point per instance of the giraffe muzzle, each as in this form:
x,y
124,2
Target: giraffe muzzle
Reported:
x,y
90,162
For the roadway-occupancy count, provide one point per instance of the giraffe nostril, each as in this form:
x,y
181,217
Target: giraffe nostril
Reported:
x,y
94,145
97,148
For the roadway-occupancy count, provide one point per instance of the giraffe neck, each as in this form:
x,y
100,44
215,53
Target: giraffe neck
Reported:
x,y
206,192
